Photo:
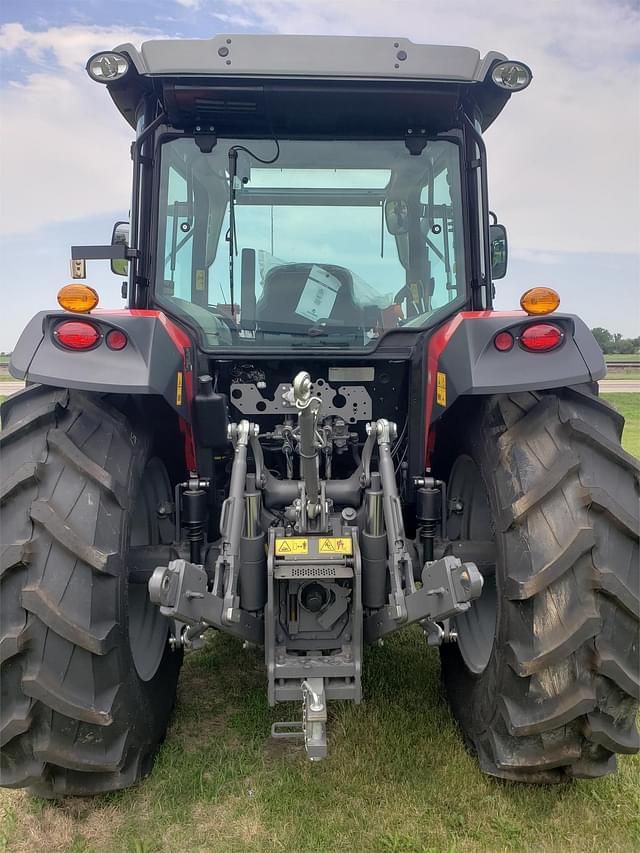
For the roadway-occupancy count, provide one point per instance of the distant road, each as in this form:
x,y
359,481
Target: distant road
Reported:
x,y
8,388
631,386
628,386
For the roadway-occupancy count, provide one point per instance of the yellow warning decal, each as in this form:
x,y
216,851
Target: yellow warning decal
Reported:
x,y
200,280
179,388
335,545
291,546
441,389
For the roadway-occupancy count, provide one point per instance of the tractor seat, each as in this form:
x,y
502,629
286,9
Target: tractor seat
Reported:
x,y
293,301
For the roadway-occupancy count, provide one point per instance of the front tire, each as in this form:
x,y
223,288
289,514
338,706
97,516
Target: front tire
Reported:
x,y
555,693
83,711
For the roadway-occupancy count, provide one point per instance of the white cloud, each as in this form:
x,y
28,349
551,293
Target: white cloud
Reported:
x,y
564,162
564,156
64,148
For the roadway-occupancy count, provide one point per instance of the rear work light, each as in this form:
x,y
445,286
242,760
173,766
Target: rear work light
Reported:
x,y
77,335
512,76
541,337
107,67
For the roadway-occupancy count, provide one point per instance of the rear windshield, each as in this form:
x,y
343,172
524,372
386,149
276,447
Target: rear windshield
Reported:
x,y
308,241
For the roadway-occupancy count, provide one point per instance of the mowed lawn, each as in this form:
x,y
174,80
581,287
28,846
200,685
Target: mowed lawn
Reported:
x,y
397,780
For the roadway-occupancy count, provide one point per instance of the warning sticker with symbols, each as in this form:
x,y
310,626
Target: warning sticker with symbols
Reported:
x,y
441,389
287,546
335,545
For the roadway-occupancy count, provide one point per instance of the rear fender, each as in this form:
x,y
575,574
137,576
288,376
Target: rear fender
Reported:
x,y
462,360
157,360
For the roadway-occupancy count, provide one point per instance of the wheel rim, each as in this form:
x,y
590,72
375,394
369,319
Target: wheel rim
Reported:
x,y
476,628
148,628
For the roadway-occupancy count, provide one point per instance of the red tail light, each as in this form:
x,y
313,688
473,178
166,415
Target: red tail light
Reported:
x,y
503,341
541,337
76,334
115,339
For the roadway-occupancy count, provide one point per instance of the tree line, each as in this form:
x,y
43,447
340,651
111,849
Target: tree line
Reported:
x,y
613,343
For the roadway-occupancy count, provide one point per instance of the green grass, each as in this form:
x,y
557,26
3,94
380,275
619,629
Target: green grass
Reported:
x,y
632,357
397,780
629,406
7,377
623,373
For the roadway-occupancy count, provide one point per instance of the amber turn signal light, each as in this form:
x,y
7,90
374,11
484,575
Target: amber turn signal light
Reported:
x,y
539,300
78,298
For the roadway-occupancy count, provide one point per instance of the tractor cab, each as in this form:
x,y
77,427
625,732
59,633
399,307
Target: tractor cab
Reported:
x,y
325,203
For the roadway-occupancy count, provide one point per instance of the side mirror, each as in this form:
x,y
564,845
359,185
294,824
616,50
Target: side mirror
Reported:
x,y
120,235
498,240
396,216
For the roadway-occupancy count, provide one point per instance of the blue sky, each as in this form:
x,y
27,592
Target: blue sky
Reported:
x,y
564,156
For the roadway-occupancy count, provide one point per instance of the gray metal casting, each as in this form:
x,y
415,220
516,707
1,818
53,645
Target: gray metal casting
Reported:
x,y
247,398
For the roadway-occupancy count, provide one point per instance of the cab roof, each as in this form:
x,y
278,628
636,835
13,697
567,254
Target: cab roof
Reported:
x,y
231,79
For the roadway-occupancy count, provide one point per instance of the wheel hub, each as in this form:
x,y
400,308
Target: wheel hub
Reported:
x,y
471,519
148,628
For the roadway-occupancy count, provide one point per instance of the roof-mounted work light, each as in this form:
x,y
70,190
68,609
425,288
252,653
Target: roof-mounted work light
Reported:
x,y
107,67
512,76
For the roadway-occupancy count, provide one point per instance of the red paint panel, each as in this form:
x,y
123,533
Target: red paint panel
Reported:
x,y
437,344
182,342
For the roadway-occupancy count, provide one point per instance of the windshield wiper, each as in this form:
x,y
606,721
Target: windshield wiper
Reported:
x,y
231,233
332,343
318,330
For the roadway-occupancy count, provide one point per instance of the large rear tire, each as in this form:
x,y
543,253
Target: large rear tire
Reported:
x,y
553,693
88,678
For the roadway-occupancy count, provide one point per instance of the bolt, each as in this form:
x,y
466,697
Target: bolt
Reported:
x,y
164,510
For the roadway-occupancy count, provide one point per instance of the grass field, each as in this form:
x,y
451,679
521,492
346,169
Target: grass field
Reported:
x,y
624,373
629,406
633,357
397,780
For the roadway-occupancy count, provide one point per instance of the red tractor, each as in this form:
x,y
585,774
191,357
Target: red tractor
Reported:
x,y
310,429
